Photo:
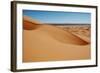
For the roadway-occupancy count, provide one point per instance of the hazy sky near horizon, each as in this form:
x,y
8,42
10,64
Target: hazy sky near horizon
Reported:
x,y
59,17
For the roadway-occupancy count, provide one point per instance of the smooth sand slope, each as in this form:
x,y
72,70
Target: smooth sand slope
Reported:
x,y
49,43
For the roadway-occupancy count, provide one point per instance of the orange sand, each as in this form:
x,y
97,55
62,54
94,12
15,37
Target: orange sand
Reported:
x,y
50,43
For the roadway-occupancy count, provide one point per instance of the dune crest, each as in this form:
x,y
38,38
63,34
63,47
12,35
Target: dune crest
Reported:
x,y
29,23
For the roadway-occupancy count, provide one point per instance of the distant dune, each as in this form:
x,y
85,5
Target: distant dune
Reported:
x,y
50,43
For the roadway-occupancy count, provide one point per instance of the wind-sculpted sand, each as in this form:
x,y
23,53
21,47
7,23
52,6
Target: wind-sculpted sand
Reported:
x,y
43,42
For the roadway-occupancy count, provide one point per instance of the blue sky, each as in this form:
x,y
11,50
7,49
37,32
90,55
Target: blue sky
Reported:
x,y
59,17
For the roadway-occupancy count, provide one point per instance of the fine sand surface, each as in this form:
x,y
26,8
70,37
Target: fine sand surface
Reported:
x,y
50,43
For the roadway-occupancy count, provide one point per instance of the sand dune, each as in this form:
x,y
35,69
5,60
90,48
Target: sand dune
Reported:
x,y
83,32
30,24
49,43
